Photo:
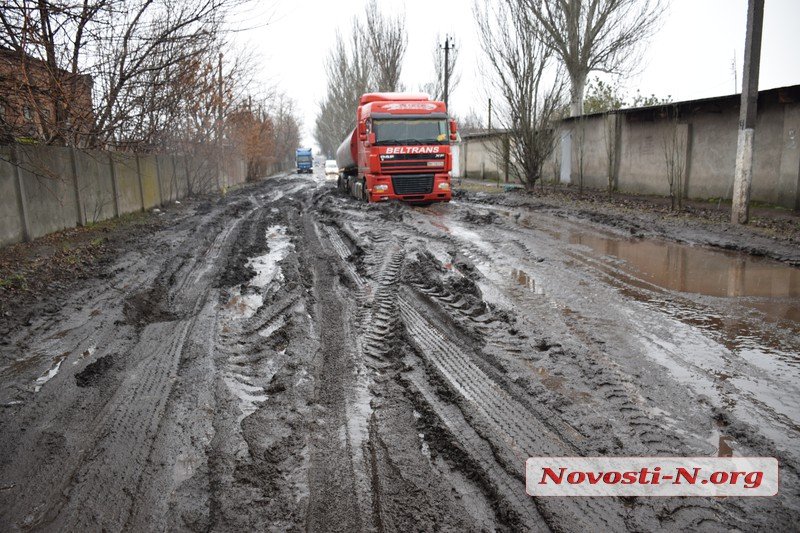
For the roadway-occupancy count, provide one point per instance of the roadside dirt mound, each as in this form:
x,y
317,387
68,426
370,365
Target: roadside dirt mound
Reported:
x,y
148,307
91,375
474,217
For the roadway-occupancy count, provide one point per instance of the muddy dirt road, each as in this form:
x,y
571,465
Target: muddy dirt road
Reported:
x,y
290,359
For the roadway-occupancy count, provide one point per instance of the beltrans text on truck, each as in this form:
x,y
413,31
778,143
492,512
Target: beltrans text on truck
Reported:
x,y
399,150
304,160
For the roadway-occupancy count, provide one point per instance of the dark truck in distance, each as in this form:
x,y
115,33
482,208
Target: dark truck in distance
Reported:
x,y
305,160
399,150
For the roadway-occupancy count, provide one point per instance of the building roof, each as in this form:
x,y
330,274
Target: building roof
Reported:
x,y
788,94
17,55
479,134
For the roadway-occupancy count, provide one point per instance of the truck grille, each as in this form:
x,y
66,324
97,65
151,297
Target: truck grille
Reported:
x,y
412,183
412,163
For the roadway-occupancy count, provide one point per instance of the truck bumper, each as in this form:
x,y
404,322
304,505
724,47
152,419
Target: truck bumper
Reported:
x,y
381,188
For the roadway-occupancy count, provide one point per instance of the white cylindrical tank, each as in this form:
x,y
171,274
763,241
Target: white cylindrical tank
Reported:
x,y
347,154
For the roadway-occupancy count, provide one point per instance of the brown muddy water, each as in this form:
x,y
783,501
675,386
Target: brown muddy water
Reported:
x,y
683,268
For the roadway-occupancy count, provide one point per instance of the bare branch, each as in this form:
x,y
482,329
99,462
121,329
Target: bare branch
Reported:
x,y
594,35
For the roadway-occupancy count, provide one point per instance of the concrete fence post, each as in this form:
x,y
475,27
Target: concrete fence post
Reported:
x,y
22,198
139,175
114,187
78,199
687,160
158,180
174,180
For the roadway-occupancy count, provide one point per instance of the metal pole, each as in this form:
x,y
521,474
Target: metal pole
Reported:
x,y
490,114
446,68
743,175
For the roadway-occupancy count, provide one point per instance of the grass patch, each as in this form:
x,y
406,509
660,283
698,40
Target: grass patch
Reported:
x,y
14,281
475,187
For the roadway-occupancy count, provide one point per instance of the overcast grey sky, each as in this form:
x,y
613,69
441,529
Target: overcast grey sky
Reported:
x,y
690,57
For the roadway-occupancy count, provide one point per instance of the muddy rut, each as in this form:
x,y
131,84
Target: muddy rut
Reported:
x,y
287,358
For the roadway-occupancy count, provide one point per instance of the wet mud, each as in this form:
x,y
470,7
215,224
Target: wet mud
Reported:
x,y
289,359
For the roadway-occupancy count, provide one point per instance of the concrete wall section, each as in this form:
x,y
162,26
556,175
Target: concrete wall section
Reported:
x,y
129,194
238,171
94,185
789,177
174,178
149,181
202,175
482,157
591,135
713,154
45,175
11,229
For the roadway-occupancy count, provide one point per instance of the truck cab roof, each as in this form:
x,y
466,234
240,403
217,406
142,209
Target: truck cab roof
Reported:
x,y
399,104
393,97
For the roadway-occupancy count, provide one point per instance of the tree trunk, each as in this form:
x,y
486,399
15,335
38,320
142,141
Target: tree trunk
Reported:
x,y
578,83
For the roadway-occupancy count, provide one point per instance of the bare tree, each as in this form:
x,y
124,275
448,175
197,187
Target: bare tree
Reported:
x,y
611,132
470,122
287,130
581,145
594,35
350,74
674,144
387,41
528,81
129,51
371,60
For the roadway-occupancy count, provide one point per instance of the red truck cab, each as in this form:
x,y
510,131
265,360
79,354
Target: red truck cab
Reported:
x,y
399,150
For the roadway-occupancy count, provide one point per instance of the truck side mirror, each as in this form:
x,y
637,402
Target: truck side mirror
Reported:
x,y
371,138
452,127
362,128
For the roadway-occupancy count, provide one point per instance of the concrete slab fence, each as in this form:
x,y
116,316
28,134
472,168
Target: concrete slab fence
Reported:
x,y
628,149
49,188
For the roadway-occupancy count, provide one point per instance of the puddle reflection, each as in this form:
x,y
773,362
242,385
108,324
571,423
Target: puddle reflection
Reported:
x,y
698,270
524,279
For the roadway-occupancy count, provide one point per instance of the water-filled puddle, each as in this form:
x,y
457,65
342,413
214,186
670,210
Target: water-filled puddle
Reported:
x,y
697,270
247,300
266,266
523,278
51,372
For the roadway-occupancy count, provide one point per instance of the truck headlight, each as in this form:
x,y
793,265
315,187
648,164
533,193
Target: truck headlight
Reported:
x,y
380,188
444,186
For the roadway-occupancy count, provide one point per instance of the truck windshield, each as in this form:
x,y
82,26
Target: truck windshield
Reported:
x,y
304,158
410,131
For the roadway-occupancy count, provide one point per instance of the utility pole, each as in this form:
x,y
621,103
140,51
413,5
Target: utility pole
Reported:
x,y
490,114
743,175
447,47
